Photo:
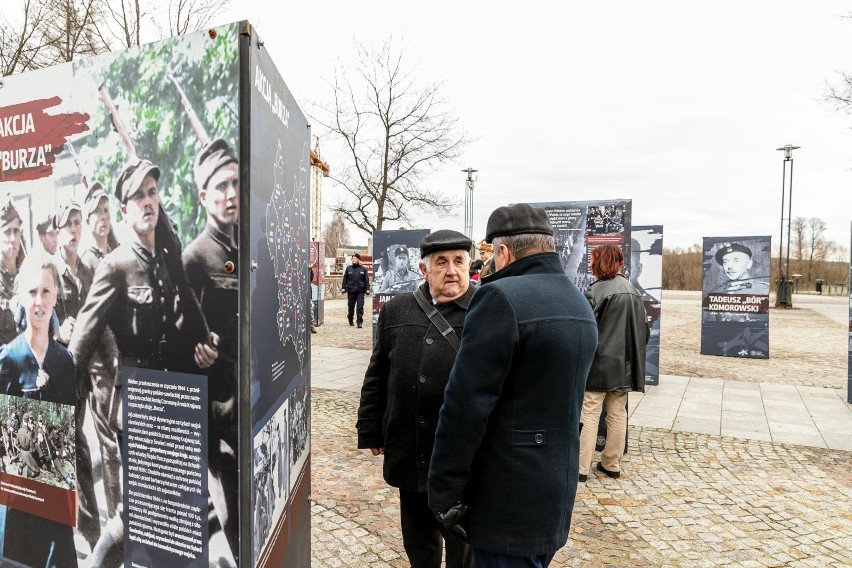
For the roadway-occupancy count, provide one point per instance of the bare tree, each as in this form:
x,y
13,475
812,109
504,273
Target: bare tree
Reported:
x,y
682,268
335,234
22,43
73,29
394,133
190,15
799,238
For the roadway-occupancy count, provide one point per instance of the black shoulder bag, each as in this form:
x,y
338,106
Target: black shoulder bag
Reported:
x,y
437,319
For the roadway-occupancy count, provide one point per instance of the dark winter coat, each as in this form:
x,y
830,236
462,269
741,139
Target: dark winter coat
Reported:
x,y
507,443
404,386
355,279
623,333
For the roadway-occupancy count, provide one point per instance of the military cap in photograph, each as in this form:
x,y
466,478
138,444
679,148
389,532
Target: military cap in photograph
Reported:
x,y
64,212
45,224
132,176
518,219
213,156
728,248
399,249
93,198
445,239
8,213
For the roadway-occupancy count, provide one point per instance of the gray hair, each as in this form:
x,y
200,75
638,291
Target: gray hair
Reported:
x,y
526,244
427,260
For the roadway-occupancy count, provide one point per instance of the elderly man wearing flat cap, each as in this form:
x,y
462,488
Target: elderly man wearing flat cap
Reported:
x,y
11,257
417,341
505,463
401,278
210,262
355,283
134,294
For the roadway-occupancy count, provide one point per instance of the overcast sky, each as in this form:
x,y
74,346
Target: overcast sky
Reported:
x,y
676,105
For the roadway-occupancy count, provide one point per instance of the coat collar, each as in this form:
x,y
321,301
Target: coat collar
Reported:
x,y
541,263
462,301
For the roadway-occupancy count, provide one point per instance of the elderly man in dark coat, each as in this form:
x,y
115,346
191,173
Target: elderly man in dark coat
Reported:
x,y
504,466
404,388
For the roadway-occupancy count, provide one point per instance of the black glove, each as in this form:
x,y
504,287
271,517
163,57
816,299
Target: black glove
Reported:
x,y
451,517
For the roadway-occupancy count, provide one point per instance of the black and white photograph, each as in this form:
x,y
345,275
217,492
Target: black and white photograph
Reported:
x,y
646,275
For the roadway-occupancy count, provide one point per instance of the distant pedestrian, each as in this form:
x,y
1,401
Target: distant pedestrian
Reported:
x,y
404,389
504,466
355,284
619,364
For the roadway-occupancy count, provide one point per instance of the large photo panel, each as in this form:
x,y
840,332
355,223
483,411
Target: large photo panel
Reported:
x,y
396,267
280,312
646,275
735,290
121,176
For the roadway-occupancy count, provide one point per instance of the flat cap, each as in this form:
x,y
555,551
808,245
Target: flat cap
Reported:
x,y
93,198
64,213
518,219
728,248
45,224
445,239
8,213
213,156
132,176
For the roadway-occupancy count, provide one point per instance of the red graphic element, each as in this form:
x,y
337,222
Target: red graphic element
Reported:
x,y
40,499
30,138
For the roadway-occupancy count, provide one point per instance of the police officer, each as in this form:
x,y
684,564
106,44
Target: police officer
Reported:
x,y
736,262
134,294
401,278
355,283
11,257
210,262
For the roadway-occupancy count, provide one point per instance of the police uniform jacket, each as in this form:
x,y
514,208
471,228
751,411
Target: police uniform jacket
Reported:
x,y
404,386
623,333
507,443
355,279
19,372
135,295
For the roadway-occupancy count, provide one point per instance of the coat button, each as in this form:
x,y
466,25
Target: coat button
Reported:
x,y
428,341
539,438
422,420
422,379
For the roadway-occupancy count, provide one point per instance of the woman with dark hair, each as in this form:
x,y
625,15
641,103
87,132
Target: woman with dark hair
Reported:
x,y
619,363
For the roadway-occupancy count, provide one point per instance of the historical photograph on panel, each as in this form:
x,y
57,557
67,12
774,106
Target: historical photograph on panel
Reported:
x,y
127,206
271,483
300,430
579,226
735,307
646,275
396,266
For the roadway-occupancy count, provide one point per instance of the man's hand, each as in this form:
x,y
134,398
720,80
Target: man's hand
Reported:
x,y
206,354
377,451
451,517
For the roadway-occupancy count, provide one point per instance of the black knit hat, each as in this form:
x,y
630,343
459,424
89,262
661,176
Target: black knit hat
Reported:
x,y
445,239
518,219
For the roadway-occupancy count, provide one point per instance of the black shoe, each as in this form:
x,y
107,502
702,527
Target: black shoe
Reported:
x,y
612,474
583,478
360,326
351,322
313,329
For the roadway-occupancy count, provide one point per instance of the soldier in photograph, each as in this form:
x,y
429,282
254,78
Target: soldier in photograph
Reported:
x,y
210,262
47,233
400,278
11,257
98,235
736,262
135,295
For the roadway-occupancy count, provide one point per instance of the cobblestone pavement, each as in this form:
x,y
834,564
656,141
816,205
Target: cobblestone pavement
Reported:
x,y
683,499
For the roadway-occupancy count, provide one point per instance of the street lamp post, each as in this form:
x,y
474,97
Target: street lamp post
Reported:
x,y
784,296
468,202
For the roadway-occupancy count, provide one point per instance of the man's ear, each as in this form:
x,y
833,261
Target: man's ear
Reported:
x,y
123,210
422,268
202,197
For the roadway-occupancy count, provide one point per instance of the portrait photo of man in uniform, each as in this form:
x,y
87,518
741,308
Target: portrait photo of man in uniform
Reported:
x,y
742,268
399,276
